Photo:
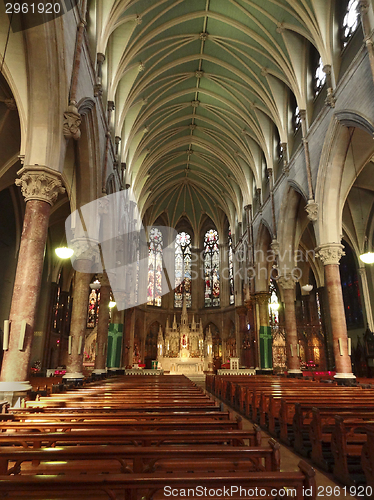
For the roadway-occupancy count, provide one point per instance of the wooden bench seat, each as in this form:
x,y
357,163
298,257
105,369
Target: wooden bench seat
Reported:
x,y
320,435
302,420
135,437
139,459
347,440
151,486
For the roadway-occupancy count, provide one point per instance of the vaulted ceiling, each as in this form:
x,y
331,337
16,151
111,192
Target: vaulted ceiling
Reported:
x,y
201,91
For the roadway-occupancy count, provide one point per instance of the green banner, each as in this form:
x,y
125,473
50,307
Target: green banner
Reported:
x,y
266,344
114,354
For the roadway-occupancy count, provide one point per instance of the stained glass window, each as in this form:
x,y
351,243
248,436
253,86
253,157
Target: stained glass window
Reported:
x,y
350,21
182,269
211,268
154,292
93,308
231,269
319,77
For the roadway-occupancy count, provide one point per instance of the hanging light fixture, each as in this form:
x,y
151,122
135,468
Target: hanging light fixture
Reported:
x,y
64,252
367,257
307,288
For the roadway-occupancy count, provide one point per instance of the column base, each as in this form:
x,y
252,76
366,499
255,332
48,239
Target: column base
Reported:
x,y
13,392
73,379
98,371
115,371
294,373
264,371
345,378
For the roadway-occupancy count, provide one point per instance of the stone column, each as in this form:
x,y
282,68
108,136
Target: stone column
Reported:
x,y
366,298
102,326
253,355
265,336
243,333
78,324
292,349
330,255
40,186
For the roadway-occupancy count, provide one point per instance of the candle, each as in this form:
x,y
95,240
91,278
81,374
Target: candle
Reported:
x,y
69,348
291,349
298,349
103,348
6,335
340,347
80,345
349,346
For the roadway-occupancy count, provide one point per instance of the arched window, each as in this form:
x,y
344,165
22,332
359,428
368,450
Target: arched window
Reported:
x,y
350,21
182,269
319,77
93,304
231,269
296,119
154,291
211,268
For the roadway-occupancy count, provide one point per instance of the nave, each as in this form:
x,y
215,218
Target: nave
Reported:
x,y
151,437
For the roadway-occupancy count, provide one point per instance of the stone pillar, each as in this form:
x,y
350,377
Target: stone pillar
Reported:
x,y
292,344
366,298
40,186
78,324
253,355
265,336
330,255
102,326
243,333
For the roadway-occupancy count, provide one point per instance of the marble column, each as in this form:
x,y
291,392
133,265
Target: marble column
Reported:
x,y
366,297
253,354
128,338
243,333
40,187
78,324
102,326
330,255
292,344
265,335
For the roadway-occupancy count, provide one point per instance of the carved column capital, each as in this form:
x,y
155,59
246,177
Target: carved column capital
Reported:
x,y
262,298
85,249
312,210
40,183
330,253
286,282
72,121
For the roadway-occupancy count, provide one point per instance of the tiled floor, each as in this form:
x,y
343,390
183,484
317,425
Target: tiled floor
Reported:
x,y
326,486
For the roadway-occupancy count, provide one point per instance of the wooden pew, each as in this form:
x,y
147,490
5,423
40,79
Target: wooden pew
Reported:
x,y
118,487
302,421
135,437
347,440
367,456
140,459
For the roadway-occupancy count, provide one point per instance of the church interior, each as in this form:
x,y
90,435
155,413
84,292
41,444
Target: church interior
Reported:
x,y
187,230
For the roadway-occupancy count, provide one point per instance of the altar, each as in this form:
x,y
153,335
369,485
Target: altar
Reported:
x,y
183,349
